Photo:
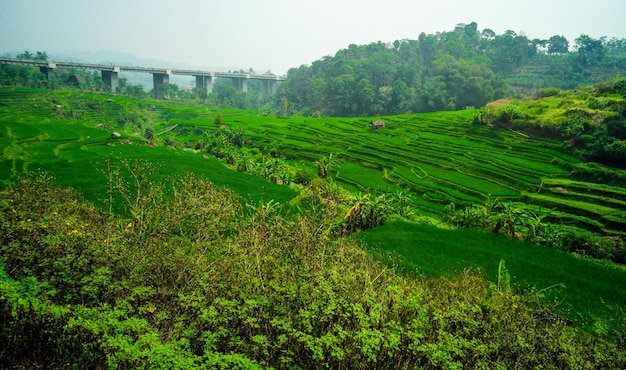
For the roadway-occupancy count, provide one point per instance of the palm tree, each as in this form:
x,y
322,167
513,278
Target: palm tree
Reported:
x,y
325,165
402,204
534,226
368,211
235,137
270,168
245,160
354,216
510,218
41,55
25,55
490,210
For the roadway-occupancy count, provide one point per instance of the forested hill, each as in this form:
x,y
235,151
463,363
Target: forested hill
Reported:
x,y
444,71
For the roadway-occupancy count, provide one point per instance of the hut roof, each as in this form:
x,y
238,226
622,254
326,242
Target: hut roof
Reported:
x,y
378,123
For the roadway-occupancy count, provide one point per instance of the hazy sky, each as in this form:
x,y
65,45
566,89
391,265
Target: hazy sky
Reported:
x,y
280,34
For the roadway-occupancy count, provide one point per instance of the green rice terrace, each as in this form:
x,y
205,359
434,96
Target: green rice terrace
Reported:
x,y
443,158
447,169
439,158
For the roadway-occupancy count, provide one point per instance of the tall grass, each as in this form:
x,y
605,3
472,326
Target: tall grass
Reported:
x,y
591,292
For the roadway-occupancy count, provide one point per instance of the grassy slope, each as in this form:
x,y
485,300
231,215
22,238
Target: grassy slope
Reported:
x,y
440,157
32,136
590,288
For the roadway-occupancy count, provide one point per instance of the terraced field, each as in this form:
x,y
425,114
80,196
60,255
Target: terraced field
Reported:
x,y
41,130
439,158
442,158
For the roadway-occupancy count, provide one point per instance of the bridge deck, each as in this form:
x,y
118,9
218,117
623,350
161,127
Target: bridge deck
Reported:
x,y
112,68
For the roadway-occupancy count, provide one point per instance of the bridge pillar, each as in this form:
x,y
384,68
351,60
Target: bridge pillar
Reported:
x,y
268,87
209,84
240,83
110,78
265,88
205,82
159,79
47,70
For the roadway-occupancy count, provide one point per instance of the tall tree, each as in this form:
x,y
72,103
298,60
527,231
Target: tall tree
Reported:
x,y
41,55
558,45
25,55
590,51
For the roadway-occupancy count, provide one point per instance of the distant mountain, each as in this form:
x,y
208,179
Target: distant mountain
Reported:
x,y
121,58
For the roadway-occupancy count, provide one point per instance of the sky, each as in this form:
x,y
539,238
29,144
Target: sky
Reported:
x,y
277,35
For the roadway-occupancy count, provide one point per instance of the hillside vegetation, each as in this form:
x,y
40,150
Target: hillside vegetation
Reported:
x,y
203,237
445,71
591,119
195,280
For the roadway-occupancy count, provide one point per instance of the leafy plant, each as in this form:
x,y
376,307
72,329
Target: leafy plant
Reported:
x,y
205,282
504,279
325,165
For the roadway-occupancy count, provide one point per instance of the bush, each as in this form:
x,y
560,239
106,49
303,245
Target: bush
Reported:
x,y
303,176
218,120
546,92
204,282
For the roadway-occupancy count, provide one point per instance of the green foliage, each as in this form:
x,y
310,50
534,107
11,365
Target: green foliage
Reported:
x,y
218,119
504,278
149,133
591,120
28,55
546,92
444,71
175,272
434,158
205,283
325,165
22,76
515,222
374,209
588,290
79,142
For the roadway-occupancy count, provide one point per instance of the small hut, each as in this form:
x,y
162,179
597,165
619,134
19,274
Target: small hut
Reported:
x,y
115,136
379,123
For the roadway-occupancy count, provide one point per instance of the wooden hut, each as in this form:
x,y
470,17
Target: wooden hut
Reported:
x,y
379,123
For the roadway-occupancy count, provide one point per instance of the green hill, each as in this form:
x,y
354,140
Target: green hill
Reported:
x,y
448,70
208,240
422,249
69,135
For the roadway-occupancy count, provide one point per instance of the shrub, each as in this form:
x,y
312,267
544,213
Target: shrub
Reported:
x,y
303,176
546,92
218,119
204,282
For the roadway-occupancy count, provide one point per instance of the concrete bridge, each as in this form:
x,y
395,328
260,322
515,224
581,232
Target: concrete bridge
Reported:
x,y
160,76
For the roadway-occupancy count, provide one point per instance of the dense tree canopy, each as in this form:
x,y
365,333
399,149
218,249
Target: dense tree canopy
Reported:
x,y
446,70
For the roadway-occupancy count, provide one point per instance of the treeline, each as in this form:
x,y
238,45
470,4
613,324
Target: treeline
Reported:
x,y
441,71
444,71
